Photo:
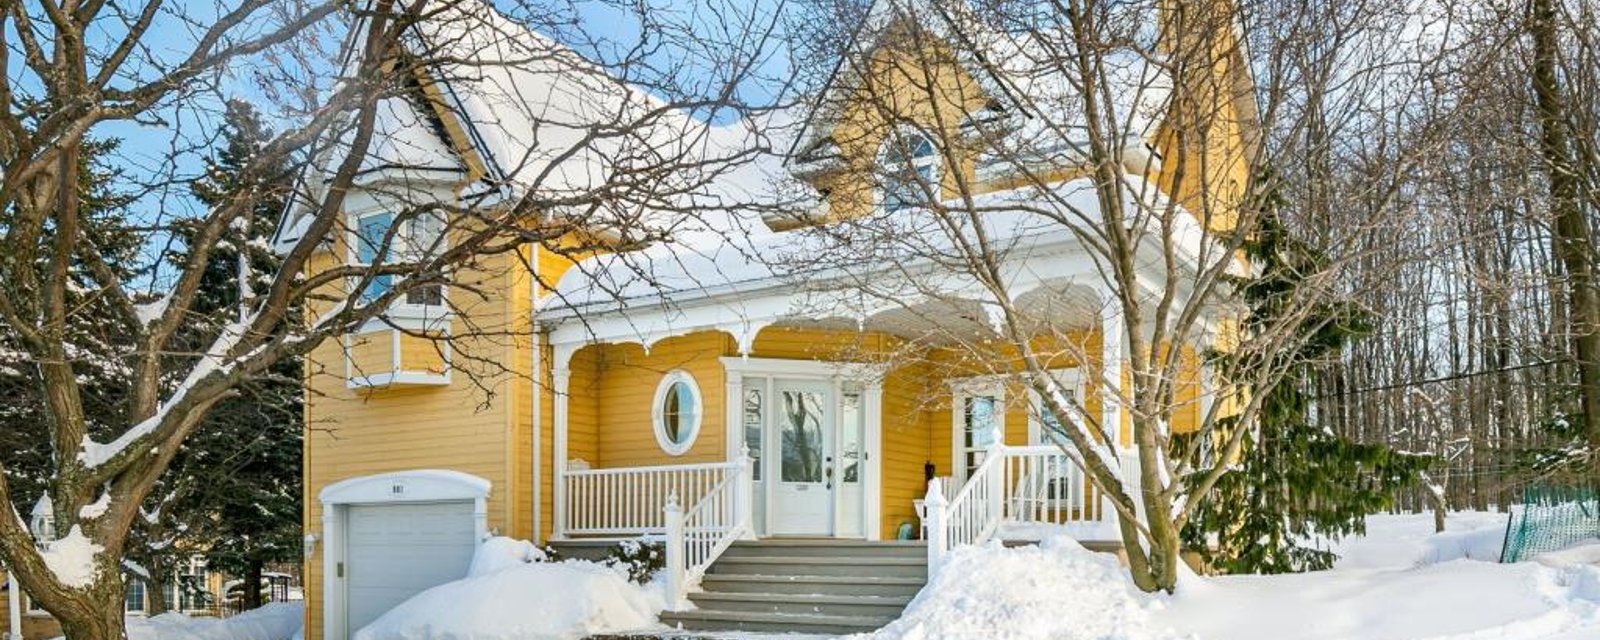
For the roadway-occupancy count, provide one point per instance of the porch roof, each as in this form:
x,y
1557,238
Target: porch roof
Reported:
x,y
741,283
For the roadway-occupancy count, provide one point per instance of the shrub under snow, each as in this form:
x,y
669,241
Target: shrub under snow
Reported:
x,y
512,595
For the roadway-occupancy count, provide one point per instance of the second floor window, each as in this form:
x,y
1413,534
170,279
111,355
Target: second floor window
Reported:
x,y
910,166
418,237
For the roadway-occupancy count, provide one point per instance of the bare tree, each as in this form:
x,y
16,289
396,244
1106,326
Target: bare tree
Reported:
x,y
1149,139
626,158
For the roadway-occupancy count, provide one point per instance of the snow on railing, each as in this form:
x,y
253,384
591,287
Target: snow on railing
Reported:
x,y
696,537
1017,486
630,501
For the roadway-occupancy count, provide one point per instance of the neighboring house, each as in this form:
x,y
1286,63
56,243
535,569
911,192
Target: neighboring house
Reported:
x,y
653,376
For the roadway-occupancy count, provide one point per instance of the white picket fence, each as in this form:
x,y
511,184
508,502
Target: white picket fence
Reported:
x,y
1017,487
698,509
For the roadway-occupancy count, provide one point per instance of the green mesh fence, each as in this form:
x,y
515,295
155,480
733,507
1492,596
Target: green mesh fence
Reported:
x,y
1551,518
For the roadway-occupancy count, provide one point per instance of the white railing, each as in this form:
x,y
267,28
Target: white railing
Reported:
x,y
1018,487
697,536
630,501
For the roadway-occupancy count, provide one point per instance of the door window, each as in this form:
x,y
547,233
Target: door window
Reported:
x,y
752,429
850,424
801,434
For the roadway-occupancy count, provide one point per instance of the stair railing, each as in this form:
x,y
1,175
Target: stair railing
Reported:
x,y
698,535
1031,485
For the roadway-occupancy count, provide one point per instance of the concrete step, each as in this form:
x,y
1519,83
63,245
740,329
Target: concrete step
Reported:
x,y
835,548
829,585
794,603
863,566
716,620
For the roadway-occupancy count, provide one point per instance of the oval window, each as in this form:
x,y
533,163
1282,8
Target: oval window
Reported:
x,y
677,412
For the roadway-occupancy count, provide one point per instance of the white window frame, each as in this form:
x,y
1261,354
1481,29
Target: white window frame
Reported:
x,y
400,245
960,390
1069,377
933,183
658,415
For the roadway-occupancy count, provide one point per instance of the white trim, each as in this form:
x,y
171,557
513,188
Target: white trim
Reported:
x,y
1069,377
401,487
961,389
658,425
868,373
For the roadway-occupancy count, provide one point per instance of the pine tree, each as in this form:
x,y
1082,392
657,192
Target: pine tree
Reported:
x,y
1297,484
233,494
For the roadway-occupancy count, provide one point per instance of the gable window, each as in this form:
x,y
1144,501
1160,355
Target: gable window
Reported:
x,y
419,237
910,166
677,412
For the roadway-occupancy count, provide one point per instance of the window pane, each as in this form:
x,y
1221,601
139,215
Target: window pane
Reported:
x,y
752,429
370,233
671,414
801,435
850,439
134,595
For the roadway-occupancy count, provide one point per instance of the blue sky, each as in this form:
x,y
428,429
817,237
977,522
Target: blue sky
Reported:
x,y
174,139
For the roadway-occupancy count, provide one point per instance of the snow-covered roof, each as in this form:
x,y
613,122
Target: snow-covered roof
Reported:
x,y
654,285
553,131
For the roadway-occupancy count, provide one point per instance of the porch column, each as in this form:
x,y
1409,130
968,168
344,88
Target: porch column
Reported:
x,y
1111,356
561,381
872,487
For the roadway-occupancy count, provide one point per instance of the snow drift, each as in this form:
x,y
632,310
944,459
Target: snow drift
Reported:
x,y
511,595
1057,590
277,621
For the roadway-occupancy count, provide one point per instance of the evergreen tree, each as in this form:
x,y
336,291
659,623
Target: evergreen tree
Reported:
x,y
233,494
1298,484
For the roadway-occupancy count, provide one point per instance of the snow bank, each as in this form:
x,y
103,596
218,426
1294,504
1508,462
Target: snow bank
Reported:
x,y
71,558
276,621
1409,540
1057,590
1402,581
507,596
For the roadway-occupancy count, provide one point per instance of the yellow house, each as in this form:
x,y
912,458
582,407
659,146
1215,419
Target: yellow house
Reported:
x,y
696,390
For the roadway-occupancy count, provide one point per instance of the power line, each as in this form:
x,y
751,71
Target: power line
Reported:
x,y
1449,378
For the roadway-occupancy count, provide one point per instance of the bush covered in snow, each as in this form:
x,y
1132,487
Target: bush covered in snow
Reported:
x,y
640,558
512,594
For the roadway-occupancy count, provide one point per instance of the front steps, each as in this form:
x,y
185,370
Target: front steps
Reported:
x,y
811,586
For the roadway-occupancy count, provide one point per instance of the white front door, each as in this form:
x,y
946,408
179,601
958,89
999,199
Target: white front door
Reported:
x,y
803,479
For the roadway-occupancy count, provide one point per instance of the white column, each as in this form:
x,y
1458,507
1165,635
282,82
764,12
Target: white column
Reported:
x,y
674,561
744,501
561,381
872,486
934,516
14,605
1111,356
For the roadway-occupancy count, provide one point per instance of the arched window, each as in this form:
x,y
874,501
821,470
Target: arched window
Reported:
x,y
910,165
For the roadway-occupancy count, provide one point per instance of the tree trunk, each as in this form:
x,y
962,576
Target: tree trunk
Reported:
x,y
1571,231
251,599
103,619
156,594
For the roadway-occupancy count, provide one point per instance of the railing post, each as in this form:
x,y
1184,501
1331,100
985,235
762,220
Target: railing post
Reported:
x,y
675,546
996,480
933,510
744,497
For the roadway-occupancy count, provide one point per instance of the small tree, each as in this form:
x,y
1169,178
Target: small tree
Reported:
x,y
1298,485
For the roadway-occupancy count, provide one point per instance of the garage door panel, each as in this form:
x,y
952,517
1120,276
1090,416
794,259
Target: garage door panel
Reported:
x,y
398,550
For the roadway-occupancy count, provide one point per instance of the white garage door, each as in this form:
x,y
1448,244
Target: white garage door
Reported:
x,y
398,550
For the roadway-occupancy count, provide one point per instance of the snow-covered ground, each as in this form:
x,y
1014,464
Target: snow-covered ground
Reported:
x,y
1401,581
